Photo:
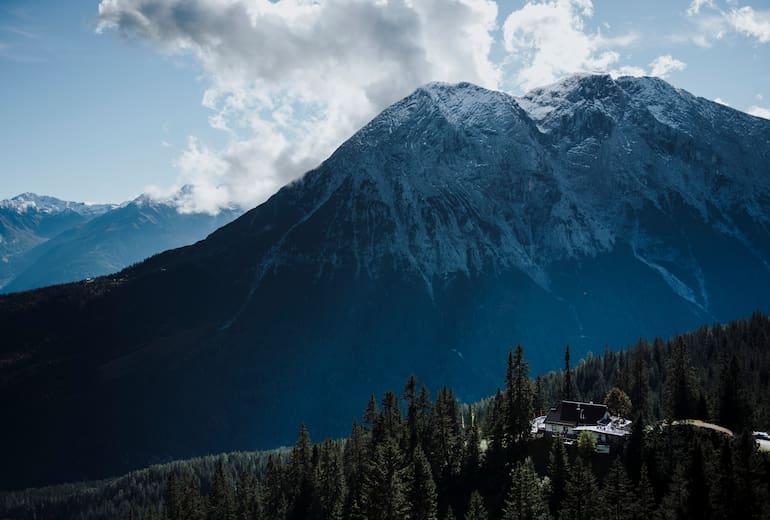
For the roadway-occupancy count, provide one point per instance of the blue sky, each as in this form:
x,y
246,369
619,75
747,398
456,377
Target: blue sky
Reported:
x,y
101,101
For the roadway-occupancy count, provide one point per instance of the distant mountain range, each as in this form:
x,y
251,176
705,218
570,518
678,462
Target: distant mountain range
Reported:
x,y
46,241
457,223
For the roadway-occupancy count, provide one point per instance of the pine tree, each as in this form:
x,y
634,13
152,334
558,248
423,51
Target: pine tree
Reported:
x,y
640,386
518,397
676,501
472,457
680,383
733,410
525,499
539,404
371,414
580,500
558,473
445,446
616,500
355,457
221,498
389,423
645,505
412,413
382,495
698,496
634,448
300,476
275,502
723,492
476,508
330,483
421,490
494,459
248,499
568,387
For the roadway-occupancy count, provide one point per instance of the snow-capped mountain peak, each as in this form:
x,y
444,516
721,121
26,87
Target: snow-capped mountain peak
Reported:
x,y
32,202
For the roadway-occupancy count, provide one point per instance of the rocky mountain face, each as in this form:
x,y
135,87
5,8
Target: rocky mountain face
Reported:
x,y
48,241
457,223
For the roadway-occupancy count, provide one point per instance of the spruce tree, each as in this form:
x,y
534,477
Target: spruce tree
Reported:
x,y
274,500
472,456
412,413
680,383
382,494
525,499
518,397
221,498
645,505
733,410
329,483
248,498
421,489
617,501
723,491
495,432
580,500
558,473
355,457
567,387
300,476
476,508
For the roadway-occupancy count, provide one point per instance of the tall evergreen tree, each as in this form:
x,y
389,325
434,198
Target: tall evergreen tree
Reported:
x,y
680,384
476,508
355,458
472,455
732,406
518,394
645,505
249,498
221,498
581,498
300,474
274,501
382,495
389,423
568,387
421,489
525,499
495,431
617,501
412,413
558,473
329,483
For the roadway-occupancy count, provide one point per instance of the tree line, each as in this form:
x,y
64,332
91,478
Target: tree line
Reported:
x,y
418,456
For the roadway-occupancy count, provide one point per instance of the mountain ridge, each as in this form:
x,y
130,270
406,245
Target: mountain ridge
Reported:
x,y
427,243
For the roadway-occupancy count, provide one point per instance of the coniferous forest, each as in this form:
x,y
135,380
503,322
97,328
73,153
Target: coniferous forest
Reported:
x,y
417,455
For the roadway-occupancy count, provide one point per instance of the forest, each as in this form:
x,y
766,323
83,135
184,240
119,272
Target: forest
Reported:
x,y
414,455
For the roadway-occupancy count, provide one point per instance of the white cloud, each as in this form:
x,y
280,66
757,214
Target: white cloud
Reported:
x,y
550,40
717,23
749,22
759,111
721,101
696,5
662,66
289,81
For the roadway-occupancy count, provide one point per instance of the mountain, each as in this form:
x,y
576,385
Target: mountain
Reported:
x,y
456,223
125,235
28,220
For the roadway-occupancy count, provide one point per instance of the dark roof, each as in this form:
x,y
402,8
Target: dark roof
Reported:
x,y
574,413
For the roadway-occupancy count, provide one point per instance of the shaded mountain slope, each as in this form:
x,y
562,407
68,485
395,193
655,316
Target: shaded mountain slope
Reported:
x,y
458,222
